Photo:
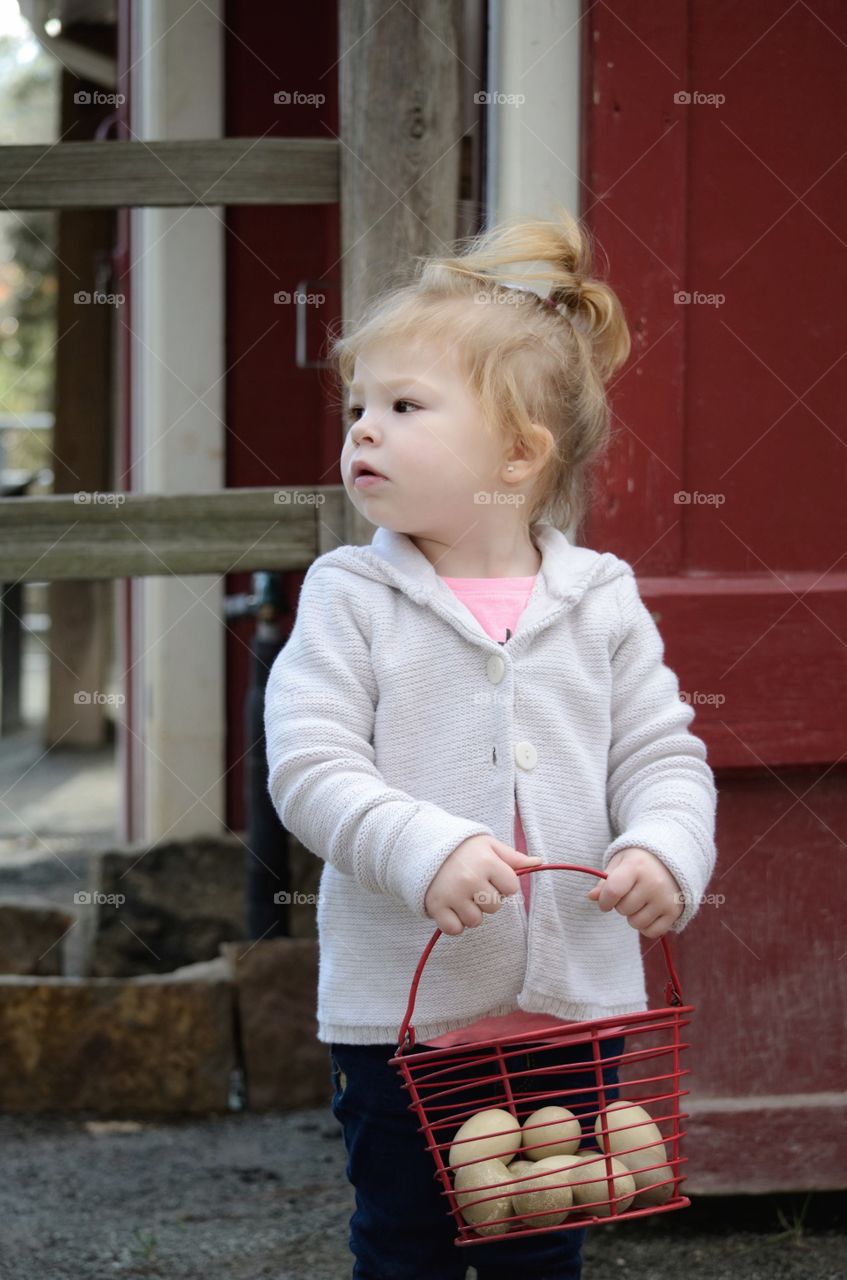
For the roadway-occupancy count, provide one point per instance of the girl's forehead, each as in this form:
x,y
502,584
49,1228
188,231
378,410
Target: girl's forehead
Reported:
x,y
404,361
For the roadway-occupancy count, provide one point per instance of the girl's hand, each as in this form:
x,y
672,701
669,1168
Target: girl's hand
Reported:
x,y
640,887
474,879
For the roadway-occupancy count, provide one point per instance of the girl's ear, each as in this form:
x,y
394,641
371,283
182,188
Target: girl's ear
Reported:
x,y
544,444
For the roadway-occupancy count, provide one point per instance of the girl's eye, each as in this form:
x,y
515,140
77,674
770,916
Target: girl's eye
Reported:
x,y
355,410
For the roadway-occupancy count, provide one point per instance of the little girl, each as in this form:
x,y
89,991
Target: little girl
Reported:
x,y
471,694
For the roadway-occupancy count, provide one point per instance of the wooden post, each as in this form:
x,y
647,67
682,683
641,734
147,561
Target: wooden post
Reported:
x,y
399,84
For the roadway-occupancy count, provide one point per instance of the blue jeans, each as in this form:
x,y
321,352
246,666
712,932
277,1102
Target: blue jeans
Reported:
x,y
401,1228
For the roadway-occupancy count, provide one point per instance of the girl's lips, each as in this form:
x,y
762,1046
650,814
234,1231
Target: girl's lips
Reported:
x,y
369,481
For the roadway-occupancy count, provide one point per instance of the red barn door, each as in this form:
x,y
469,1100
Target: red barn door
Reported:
x,y
714,181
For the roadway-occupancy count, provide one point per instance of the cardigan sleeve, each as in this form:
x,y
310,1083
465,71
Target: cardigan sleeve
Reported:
x,y
319,712
661,791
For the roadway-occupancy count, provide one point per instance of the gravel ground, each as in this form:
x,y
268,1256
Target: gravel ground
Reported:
x,y
249,1197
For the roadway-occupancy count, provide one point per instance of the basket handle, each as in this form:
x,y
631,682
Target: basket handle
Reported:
x,y
673,990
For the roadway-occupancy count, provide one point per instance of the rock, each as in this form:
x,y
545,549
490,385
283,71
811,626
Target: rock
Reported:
x,y
30,936
161,907
276,981
152,1045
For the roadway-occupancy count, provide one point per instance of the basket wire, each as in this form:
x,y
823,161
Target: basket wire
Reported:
x,y
489,1074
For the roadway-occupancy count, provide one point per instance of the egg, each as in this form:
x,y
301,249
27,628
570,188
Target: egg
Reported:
x,y
474,1140
519,1169
629,1126
622,1113
593,1167
542,1193
559,1135
472,1184
648,1196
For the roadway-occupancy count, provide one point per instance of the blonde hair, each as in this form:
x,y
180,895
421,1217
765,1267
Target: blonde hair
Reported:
x,y
526,362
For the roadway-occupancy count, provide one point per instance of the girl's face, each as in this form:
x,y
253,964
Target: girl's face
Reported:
x,y
413,419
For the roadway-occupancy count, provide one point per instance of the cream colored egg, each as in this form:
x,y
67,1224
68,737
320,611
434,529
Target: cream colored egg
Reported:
x,y
648,1196
473,1185
593,1168
630,1126
555,1128
549,1194
474,1140
519,1169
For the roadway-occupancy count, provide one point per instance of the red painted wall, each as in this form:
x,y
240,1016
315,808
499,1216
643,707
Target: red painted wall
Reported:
x,y
281,424
740,406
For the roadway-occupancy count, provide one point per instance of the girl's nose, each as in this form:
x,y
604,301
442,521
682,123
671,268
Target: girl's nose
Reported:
x,y
362,429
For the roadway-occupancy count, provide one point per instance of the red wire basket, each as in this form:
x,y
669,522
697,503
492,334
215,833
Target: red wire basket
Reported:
x,y
563,1067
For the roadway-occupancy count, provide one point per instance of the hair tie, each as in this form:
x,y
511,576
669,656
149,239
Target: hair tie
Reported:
x,y
550,301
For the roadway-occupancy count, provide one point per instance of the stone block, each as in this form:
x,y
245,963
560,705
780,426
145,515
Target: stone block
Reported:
x,y
149,1045
158,908
276,982
31,933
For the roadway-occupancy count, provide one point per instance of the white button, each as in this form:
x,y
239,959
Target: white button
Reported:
x,y
496,668
526,755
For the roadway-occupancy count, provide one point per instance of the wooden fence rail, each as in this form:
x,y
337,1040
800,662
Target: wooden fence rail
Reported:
x,y
212,171
115,535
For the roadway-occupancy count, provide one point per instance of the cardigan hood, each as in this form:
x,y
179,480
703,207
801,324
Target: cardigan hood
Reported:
x,y
565,574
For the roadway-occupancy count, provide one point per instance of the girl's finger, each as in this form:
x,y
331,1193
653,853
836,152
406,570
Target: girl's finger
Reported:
x,y
449,923
632,902
644,918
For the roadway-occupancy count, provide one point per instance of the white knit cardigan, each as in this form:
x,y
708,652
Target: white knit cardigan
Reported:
x,y
396,728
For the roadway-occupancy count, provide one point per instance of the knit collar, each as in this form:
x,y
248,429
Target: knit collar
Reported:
x,y
566,570
566,573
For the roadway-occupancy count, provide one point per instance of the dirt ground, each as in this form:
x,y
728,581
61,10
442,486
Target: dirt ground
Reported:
x,y
254,1197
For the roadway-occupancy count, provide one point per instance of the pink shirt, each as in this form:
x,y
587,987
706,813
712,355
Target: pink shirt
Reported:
x,y
497,604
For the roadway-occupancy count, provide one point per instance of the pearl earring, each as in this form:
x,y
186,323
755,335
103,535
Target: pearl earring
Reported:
x,y
510,467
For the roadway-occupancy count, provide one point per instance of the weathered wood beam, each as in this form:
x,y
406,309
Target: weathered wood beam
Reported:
x,y
62,536
212,171
400,163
